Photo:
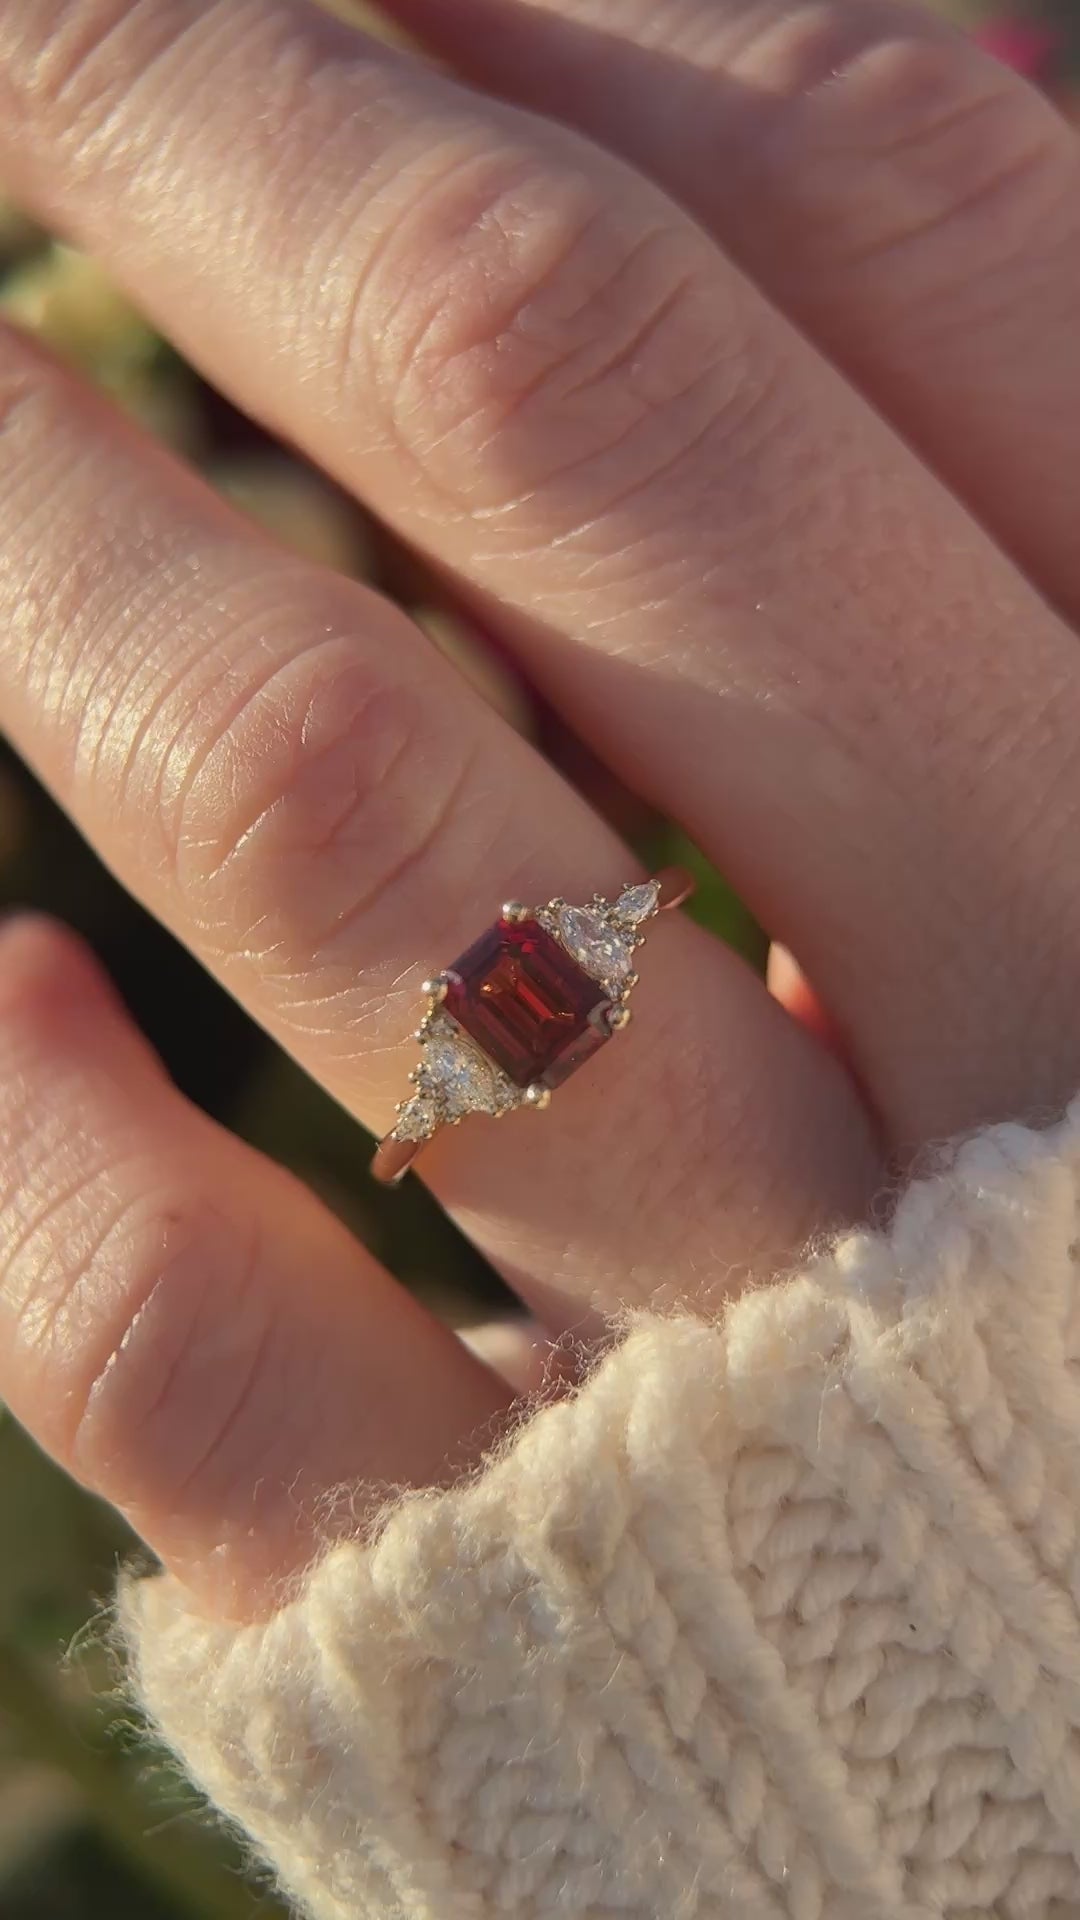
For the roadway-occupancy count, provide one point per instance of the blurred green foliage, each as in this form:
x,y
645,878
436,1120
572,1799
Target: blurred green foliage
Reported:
x,y
89,1825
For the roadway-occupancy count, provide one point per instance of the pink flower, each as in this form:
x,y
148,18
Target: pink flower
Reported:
x,y
1021,44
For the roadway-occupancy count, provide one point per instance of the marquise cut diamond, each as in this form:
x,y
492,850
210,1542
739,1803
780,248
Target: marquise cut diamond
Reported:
x,y
638,903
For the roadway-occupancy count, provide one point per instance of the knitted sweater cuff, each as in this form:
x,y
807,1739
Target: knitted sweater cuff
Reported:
x,y
778,1615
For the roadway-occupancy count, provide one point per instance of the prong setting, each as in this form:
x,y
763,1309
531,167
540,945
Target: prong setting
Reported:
x,y
525,1006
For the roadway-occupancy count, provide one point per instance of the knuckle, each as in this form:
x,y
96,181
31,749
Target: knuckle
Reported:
x,y
316,791
67,64
143,1333
549,317
54,1184
136,1301
918,134
158,1397
77,1260
47,48
60,59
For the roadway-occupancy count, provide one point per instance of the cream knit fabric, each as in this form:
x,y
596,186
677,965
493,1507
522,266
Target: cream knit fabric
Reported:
x,y
777,1617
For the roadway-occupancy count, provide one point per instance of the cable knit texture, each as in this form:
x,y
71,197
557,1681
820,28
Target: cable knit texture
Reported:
x,y
779,1616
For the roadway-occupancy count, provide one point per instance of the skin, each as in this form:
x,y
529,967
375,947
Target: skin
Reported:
x,y
723,355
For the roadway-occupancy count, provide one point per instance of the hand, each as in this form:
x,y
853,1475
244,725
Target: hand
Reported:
x,y
827,644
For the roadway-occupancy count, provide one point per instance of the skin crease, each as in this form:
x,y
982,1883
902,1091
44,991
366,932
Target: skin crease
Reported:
x,y
702,540
886,183
153,1331
318,805
553,381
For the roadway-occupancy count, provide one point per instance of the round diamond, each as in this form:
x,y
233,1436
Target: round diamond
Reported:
x,y
595,945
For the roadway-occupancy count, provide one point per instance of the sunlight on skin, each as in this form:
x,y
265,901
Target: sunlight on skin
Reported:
x,y
544,375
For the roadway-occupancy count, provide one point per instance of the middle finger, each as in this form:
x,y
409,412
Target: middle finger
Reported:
x,y
541,370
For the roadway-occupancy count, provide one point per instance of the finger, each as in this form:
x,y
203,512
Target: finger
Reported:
x,y
282,767
538,370
181,1324
910,201
522,1352
789,985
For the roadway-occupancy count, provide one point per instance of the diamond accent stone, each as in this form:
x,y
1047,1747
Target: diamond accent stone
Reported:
x,y
464,1079
596,945
418,1119
638,903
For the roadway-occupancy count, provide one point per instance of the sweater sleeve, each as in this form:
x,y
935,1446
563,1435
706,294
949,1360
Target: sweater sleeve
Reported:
x,y
778,1617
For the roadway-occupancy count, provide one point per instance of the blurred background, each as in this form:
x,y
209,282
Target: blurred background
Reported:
x,y
90,1824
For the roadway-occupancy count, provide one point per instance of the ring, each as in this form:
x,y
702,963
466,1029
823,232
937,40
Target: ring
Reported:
x,y
529,1002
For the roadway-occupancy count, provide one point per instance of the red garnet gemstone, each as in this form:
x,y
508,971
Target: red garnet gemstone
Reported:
x,y
527,1003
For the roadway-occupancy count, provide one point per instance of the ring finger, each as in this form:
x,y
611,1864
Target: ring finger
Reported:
x,y
290,776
